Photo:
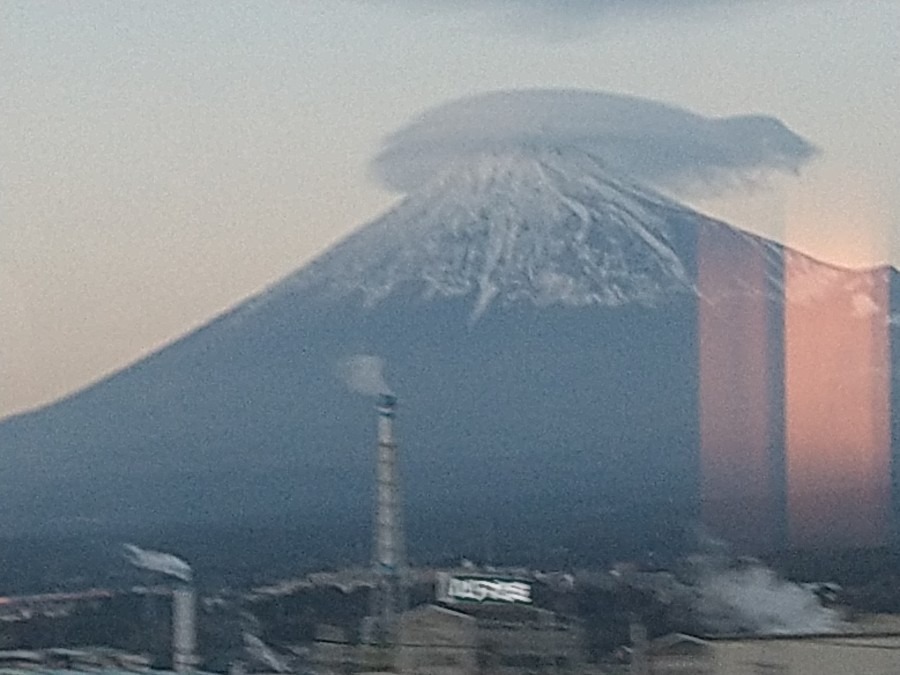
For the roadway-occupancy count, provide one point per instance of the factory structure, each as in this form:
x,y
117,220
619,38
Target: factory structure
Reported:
x,y
870,646
489,622
465,639
474,623
184,629
470,620
180,578
108,660
389,595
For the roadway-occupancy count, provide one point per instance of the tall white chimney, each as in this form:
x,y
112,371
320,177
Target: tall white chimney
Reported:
x,y
184,629
389,554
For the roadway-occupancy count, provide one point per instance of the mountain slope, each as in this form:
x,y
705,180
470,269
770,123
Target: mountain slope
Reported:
x,y
541,224
540,321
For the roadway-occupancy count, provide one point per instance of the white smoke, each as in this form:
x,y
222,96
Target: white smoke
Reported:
x,y
753,599
161,563
654,142
364,374
264,655
723,595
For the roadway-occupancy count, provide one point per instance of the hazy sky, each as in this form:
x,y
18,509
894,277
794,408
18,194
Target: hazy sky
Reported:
x,y
160,161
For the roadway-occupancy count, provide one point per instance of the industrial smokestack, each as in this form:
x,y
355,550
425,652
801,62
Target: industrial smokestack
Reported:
x,y
389,555
386,509
184,605
365,374
639,648
184,629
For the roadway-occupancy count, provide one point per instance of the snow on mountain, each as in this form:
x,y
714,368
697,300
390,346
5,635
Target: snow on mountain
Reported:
x,y
539,314
539,224
811,281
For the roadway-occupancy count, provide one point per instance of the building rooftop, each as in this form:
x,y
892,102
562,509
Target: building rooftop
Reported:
x,y
868,625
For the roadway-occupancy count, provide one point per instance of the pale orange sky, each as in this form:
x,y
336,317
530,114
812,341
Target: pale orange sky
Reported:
x,y
159,162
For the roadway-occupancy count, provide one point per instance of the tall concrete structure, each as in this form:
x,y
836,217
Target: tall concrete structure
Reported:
x,y
389,555
184,629
184,601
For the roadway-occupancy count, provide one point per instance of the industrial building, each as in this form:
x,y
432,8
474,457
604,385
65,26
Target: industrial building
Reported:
x,y
439,640
477,623
81,660
473,621
870,647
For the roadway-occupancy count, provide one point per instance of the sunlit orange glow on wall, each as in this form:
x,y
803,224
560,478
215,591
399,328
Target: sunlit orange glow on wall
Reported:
x,y
837,390
738,493
795,408
837,363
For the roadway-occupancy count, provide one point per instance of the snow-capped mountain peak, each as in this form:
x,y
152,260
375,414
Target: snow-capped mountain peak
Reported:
x,y
547,225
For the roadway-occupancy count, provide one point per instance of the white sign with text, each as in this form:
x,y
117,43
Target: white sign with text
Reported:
x,y
483,589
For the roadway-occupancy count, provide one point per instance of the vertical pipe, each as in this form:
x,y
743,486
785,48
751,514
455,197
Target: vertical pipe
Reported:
x,y
184,630
640,664
388,555
386,530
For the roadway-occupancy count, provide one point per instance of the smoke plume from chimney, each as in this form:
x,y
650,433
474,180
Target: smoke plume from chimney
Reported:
x,y
161,563
364,374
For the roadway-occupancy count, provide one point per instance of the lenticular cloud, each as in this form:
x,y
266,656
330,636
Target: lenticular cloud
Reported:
x,y
663,145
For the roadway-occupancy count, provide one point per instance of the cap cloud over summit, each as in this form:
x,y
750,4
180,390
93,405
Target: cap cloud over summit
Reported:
x,y
562,20
575,8
660,144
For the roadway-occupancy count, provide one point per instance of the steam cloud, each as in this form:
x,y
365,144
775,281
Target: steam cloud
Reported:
x,y
666,146
265,655
364,374
162,563
753,599
723,595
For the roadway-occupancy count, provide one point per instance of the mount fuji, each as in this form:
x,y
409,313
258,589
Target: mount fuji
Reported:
x,y
538,313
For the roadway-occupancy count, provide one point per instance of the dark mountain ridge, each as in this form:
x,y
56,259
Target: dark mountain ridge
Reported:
x,y
539,318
